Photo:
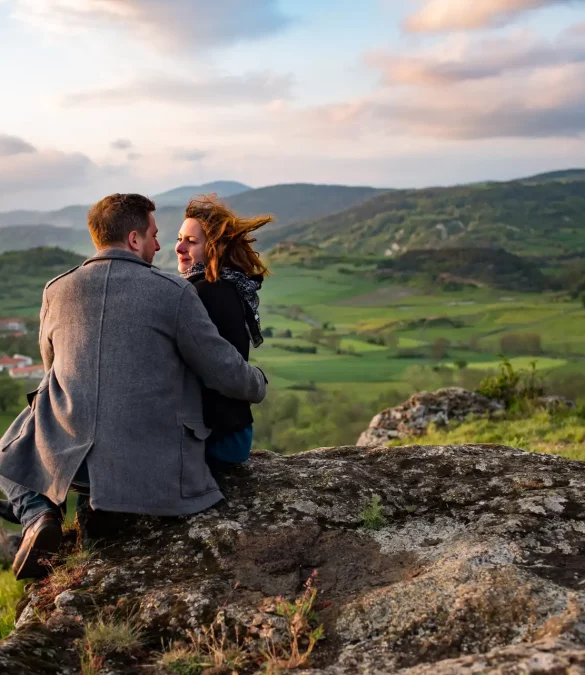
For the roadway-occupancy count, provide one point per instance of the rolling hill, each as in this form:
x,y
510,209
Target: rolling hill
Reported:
x,y
23,276
542,216
541,219
23,237
566,175
288,203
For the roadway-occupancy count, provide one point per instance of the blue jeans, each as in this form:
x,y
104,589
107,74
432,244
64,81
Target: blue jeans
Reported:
x,y
232,448
28,506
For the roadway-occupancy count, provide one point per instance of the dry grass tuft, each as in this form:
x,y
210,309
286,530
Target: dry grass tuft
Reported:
x,y
263,648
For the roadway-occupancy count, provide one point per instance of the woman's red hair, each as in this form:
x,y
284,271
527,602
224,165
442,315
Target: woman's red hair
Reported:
x,y
229,243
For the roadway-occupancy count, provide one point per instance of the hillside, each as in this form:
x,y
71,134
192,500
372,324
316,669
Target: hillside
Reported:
x,y
296,203
71,216
566,175
456,267
542,220
288,203
24,274
23,237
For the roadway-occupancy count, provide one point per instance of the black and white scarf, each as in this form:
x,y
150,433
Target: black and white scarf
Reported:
x,y
247,289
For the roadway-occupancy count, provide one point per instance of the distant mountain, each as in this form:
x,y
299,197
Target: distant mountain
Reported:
x,y
180,196
540,219
70,216
23,237
288,203
297,202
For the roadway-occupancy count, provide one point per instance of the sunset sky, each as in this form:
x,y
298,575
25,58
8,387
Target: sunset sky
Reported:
x,y
145,95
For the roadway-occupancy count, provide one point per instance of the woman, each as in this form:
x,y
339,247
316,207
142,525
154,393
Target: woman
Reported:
x,y
214,251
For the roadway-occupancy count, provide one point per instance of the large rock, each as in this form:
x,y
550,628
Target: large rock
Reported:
x,y
413,417
478,568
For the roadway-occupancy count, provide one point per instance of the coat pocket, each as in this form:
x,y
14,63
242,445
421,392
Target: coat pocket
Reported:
x,y
196,479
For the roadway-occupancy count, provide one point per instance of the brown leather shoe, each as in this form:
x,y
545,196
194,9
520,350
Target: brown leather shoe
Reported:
x,y
41,540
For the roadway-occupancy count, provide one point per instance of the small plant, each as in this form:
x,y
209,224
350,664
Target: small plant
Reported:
x,y
66,573
107,635
502,387
517,389
300,625
373,517
91,663
209,649
218,647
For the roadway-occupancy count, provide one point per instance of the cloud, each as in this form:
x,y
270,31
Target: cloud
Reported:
x,y
133,156
462,60
121,144
189,155
437,16
47,170
12,145
223,90
548,104
186,25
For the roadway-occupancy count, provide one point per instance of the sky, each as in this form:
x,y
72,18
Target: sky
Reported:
x,y
102,96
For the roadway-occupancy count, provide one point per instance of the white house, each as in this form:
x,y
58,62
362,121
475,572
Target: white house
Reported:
x,y
15,361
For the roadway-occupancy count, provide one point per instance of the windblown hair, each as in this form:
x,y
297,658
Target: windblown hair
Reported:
x,y
229,240
111,220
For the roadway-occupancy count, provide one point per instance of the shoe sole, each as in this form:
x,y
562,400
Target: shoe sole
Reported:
x,y
45,544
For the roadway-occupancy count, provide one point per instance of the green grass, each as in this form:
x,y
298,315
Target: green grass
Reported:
x,y
560,433
10,592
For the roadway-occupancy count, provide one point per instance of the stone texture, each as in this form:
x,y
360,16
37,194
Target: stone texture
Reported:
x,y
479,569
414,416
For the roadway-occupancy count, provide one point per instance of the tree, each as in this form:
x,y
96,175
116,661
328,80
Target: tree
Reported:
x,y
439,348
9,393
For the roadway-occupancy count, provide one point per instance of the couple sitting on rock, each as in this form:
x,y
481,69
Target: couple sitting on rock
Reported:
x,y
147,383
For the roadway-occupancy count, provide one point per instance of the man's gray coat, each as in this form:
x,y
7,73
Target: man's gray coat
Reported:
x,y
126,348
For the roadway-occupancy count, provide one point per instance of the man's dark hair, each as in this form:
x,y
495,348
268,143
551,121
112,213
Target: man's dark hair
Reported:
x,y
111,220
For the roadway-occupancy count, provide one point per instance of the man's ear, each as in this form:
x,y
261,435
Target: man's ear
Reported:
x,y
133,241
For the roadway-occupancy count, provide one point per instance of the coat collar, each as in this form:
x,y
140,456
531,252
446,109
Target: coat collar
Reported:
x,y
117,254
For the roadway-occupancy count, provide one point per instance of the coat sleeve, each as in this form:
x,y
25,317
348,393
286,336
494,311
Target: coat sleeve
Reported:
x,y
215,360
45,344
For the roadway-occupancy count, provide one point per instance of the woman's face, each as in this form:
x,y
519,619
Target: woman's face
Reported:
x,y
190,248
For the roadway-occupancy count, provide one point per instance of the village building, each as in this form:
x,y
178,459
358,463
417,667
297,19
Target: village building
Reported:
x,y
16,361
12,326
28,372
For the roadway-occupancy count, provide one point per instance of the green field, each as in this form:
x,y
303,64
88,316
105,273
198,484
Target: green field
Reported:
x,y
357,308
376,340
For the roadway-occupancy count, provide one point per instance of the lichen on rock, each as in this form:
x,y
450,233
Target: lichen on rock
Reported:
x,y
480,567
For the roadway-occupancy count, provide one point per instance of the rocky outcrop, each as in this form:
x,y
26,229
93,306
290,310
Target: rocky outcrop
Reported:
x,y
413,417
474,563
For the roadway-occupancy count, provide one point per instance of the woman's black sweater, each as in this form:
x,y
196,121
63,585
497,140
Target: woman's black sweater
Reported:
x,y
222,414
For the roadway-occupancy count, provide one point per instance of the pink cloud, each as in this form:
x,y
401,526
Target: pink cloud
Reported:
x,y
437,16
546,104
463,60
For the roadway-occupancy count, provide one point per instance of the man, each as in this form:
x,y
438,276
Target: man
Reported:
x,y
126,348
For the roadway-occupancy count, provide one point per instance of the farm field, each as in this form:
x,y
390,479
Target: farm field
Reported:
x,y
341,341
470,323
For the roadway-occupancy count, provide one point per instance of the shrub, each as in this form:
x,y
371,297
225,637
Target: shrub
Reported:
x,y
372,517
512,387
